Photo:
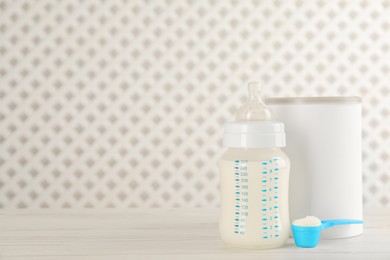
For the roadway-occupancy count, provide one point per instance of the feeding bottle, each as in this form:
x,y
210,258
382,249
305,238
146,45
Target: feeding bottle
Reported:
x,y
254,178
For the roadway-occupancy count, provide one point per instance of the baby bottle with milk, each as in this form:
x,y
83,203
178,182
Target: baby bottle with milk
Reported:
x,y
254,178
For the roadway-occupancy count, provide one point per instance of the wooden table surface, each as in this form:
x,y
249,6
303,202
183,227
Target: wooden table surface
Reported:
x,y
161,234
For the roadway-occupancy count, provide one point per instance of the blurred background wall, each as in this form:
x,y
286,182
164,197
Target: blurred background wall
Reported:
x,y
122,103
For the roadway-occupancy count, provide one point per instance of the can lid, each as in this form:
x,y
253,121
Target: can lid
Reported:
x,y
313,100
254,134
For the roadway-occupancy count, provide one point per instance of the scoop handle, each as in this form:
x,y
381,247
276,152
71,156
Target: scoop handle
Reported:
x,y
335,222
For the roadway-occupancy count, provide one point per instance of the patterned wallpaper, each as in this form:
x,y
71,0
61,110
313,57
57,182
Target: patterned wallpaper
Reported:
x,y
121,103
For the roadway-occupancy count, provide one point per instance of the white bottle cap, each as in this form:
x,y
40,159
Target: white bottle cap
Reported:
x,y
254,134
253,127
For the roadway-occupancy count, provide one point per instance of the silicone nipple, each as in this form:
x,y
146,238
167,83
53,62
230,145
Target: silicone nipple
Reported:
x,y
254,109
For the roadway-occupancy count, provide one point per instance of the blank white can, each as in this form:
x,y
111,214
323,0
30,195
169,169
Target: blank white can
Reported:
x,y
324,146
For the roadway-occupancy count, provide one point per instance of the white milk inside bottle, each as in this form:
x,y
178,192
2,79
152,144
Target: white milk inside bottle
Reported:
x,y
254,175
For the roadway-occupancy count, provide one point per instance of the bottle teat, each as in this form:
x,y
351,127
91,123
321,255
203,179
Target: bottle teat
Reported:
x,y
254,109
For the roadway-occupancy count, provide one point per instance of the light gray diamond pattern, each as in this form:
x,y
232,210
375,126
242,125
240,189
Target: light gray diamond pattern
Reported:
x,y
121,103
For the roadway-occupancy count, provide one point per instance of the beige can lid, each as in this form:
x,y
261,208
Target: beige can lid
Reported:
x,y
313,100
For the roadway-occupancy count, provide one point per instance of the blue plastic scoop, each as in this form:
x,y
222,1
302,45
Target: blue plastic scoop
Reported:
x,y
309,236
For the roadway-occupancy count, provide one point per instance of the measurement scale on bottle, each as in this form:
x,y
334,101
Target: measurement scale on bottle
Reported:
x,y
270,198
242,196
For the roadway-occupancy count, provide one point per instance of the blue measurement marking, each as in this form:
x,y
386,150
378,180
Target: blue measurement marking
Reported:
x,y
241,198
276,199
270,217
237,186
264,189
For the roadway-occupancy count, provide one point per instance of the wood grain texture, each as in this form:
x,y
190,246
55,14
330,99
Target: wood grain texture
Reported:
x,y
161,234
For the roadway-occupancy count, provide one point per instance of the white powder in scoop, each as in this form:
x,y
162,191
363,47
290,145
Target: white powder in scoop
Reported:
x,y
308,221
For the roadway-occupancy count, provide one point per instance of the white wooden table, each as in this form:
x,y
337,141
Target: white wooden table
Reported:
x,y
161,234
